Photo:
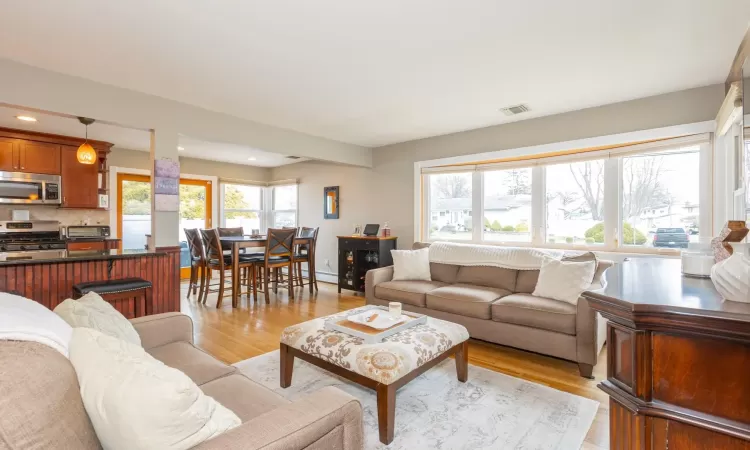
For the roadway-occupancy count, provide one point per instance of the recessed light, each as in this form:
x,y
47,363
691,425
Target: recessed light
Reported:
x,y
180,149
252,158
26,118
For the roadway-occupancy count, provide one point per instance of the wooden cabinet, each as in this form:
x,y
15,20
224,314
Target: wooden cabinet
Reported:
x,y
8,154
678,356
39,157
87,245
358,254
80,181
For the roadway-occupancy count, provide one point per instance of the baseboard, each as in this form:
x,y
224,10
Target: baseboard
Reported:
x,y
326,277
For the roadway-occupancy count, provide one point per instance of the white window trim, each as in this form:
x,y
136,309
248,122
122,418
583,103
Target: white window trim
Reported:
x,y
612,192
272,212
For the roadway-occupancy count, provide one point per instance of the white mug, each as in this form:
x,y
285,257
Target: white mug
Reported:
x,y
394,308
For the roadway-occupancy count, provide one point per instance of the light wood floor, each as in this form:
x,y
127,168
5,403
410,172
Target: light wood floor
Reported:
x,y
252,329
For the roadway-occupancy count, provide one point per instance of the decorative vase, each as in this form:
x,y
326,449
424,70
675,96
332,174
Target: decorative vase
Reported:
x,y
731,276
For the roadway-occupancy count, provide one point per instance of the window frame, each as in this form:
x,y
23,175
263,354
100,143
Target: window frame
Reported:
x,y
612,195
260,212
271,198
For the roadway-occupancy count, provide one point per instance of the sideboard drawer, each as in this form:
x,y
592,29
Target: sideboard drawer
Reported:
x,y
624,367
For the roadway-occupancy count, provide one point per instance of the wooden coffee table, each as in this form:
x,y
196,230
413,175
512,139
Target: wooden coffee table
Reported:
x,y
383,367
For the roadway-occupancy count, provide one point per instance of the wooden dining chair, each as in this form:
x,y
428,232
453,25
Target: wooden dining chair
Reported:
x,y
306,253
279,253
197,262
217,260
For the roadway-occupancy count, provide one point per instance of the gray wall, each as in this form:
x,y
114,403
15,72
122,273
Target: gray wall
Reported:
x,y
386,192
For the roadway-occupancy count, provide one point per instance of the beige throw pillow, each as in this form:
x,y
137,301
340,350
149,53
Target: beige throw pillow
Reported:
x,y
136,402
411,265
564,280
92,311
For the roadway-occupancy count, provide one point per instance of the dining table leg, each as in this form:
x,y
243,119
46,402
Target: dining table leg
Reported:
x,y
235,273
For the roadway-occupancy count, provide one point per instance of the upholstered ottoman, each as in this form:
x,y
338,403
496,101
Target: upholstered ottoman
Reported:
x,y
385,366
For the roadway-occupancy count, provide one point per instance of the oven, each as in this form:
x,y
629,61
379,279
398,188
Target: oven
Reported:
x,y
30,188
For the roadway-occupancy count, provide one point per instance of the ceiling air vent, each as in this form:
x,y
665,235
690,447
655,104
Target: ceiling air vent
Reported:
x,y
513,110
292,157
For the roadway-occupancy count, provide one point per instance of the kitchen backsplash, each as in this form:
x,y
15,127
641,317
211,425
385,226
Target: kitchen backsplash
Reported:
x,y
64,216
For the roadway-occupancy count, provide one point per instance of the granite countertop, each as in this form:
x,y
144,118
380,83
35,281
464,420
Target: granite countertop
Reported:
x,y
61,256
648,285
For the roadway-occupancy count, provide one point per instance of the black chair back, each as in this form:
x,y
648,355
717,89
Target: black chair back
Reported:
x,y
280,242
225,232
195,244
213,245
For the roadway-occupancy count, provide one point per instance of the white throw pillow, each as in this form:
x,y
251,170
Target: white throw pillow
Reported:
x,y
411,265
564,280
137,402
92,311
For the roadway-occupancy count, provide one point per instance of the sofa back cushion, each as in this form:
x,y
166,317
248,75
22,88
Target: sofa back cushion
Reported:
x,y
495,277
526,281
40,400
445,273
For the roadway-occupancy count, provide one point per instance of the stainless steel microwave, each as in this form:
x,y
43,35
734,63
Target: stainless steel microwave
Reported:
x,y
30,188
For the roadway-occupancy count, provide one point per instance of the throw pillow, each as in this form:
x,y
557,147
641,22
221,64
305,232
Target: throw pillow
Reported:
x,y
411,265
137,402
564,280
92,311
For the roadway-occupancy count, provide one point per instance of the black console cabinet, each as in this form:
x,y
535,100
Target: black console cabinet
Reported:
x,y
358,254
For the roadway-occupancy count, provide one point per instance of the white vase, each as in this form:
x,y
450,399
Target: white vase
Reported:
x,y
731,276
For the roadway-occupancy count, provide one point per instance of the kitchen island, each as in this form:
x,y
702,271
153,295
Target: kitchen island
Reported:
x,y
48,276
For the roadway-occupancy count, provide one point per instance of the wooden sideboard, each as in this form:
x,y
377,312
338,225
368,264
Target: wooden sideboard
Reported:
x,y
358,254
678,362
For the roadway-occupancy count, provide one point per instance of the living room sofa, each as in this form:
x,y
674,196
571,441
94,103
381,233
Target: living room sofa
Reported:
x,y
41,406
496,305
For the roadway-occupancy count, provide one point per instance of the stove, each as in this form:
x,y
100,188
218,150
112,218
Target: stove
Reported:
x,y
31,235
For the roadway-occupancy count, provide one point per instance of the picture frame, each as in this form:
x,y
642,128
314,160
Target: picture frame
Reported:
x,y
331,208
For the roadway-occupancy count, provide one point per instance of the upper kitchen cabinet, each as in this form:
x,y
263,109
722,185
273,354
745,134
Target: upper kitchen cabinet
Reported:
x,y
80,181
39,157
8,154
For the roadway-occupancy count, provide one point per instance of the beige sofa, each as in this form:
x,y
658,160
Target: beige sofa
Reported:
x,y
496,305
41,407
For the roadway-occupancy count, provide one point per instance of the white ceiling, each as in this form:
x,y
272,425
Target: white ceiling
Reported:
x,y
133,139
373,73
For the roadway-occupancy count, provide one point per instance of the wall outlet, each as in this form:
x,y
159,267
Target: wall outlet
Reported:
x,y
327,262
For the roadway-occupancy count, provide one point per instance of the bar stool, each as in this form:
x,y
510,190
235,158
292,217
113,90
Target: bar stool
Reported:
x,y
136,289
306,253
197,262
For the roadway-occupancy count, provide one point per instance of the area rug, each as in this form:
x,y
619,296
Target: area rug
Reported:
x,y
436,411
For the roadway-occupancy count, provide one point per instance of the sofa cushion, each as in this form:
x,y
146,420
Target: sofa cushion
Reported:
x,y
40,400
444,272
244,397
92,311
409,292
526,281
195,363
465,299
136,402
536,312
496,277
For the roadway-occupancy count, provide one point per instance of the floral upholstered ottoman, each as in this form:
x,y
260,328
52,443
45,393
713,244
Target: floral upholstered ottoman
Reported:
x,y
385,366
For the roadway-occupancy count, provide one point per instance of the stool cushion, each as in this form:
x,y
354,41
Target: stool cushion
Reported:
x,y
111,286
92,311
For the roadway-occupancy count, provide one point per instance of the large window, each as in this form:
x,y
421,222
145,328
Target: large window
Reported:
x,y
284,212
507,205
660,199
243,207
646,197
574,200
450,206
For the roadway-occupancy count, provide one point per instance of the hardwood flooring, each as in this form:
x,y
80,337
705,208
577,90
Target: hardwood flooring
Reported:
x,y
253,328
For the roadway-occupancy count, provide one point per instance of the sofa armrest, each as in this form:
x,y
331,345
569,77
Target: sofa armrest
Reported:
x,y
374,277
160,329
327,418
591,327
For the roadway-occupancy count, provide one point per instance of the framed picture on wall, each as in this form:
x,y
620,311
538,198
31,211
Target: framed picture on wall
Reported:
x,y
331,202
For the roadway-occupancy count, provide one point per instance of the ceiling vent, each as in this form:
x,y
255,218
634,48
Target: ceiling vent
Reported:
x,y
513,110
292,157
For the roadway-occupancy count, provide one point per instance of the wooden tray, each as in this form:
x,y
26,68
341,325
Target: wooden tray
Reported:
x,y
371,335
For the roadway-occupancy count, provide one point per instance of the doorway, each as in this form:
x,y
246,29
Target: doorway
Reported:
x,y
134,211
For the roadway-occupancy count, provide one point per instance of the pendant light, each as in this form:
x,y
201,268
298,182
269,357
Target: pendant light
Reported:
x,y
86,153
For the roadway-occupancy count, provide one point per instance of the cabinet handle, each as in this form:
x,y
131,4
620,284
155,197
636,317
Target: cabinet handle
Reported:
x,y
22,167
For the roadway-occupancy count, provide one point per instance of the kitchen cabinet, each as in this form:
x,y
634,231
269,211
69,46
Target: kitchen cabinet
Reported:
x,y
80,182
8,154
87,245
39,157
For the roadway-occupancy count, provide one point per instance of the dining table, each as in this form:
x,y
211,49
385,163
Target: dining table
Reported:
x,y
240,242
